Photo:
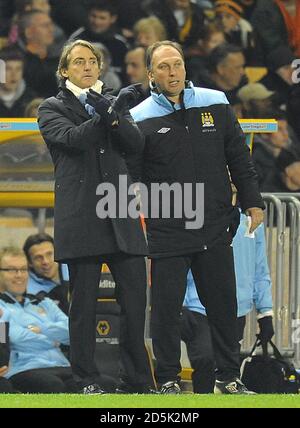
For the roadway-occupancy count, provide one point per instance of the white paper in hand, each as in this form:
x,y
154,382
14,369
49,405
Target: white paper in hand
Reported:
x,y
248,226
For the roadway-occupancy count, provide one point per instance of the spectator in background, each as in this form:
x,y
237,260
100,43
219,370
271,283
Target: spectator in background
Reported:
x,y
136,68
293,107
213,36
31,109
267,148
254,287
286,176
279,77
257,101
197,65
37,31
36,329
183,20
6,13
248,6
14,93
277,24
237,29
129,12
70,14
289,164
23,6
109,77
47,278
101,28
227,71
148,31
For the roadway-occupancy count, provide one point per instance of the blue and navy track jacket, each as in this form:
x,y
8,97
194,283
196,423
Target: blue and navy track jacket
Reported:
x,y
29,350
194,142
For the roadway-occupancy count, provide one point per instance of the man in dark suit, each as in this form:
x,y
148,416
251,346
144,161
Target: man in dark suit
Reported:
x,y
88,146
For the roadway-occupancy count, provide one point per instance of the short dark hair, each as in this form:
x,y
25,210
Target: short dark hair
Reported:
x,y
36,239
155,46
11,54
22,5
220,53
136,47
104,5
65,54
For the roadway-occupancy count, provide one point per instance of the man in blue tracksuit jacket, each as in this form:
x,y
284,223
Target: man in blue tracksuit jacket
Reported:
x,y
253,288
192,138
47,278
37,327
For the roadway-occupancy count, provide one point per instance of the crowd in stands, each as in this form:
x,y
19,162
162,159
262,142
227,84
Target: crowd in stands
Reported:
x,y
222,41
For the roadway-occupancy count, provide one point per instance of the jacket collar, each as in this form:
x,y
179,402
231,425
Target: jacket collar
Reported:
x,y
45,281
161,99
27,298
9,298
72,103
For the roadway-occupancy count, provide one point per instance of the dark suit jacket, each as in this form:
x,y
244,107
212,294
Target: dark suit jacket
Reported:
x,y
85,154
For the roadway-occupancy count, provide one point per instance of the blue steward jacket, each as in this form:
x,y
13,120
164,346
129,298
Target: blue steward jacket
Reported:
x,y
30,350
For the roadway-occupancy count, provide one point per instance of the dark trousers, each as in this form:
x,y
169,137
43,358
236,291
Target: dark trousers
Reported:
x,y
52,380
129,273
196,334
5,386
214,276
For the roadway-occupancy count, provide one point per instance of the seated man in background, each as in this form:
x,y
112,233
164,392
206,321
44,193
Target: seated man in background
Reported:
x,y
46,277
266,150
15,93
37,327
253,287
257,101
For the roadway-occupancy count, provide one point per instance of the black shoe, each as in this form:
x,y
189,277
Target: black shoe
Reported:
x,y
170,387
234,386
126,388
94,388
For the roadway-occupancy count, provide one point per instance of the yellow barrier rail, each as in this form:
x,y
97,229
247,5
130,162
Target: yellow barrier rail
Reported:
x,y
36,194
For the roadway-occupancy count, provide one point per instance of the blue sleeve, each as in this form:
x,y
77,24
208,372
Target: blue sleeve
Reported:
x,y
56,326
23,339
262,281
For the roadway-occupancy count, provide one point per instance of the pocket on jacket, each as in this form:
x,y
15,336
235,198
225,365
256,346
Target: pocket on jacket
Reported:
x,y
68,196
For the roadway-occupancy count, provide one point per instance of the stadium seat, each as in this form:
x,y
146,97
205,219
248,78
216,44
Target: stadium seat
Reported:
x,y
16,222
255,74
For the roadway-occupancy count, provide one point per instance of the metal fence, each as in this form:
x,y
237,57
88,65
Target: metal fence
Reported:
x,y
282,226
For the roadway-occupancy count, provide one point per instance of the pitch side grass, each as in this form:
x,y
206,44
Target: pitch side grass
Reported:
x,y
149,401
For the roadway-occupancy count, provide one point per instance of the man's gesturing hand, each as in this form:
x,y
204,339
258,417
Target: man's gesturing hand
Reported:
x,y
128,97
103,107
257,217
